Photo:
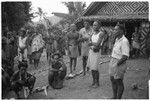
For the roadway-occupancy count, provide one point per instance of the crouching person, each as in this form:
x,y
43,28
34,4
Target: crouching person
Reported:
x,y
57,72
22,78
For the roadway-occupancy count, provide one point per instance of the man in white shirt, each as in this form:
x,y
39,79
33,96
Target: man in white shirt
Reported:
x,y
117,66
85,34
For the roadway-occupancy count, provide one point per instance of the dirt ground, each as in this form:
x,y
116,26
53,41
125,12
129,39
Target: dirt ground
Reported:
x,y
78,87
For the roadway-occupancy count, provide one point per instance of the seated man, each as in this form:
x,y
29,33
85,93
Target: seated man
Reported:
x,y
22,79
58,72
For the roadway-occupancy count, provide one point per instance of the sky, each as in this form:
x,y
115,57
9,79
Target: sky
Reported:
x,y
50,6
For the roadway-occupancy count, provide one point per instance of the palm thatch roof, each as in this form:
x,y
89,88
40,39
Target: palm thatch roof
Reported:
x,y
111,11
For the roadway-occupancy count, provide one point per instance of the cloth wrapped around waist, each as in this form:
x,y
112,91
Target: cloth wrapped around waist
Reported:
x,y
95,49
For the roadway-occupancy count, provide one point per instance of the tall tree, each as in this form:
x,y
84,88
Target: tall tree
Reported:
x,y
16,14
40,13
75,10
42,16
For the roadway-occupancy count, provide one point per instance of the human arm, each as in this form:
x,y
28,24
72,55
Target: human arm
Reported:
x,y
122,60
14,77
99,40
125,52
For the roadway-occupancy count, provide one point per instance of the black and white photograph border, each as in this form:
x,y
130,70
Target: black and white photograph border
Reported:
x,y
76,50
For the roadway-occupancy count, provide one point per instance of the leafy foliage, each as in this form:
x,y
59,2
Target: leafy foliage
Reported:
x,y
75,10
16,14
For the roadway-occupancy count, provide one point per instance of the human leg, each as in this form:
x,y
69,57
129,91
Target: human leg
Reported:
x,y
75,63
93,77
120,88
31,82
114,87
96,77
84,59
71,60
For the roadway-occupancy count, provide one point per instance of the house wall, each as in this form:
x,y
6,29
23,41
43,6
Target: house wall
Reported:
x,y
144,35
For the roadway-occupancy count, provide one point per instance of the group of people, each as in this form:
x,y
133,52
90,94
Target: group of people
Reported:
x,y
91,39
26,47
21,47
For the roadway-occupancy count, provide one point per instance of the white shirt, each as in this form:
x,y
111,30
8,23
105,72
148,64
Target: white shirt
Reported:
x,y
22,42
85,34
37,43
95,38
121,47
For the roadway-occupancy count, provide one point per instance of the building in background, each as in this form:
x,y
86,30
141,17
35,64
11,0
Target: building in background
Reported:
x,y
131,14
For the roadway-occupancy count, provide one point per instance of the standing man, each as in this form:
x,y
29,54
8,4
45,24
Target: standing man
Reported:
x,y
117,66
85,34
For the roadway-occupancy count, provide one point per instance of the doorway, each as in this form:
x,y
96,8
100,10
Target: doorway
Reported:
x,y
130,29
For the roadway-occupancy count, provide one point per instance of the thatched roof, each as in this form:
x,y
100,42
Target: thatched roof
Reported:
x,y
116,11
116,17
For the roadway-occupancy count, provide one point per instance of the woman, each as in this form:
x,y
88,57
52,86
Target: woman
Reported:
x,y
85,34
22,45
37,48
94,53
72,43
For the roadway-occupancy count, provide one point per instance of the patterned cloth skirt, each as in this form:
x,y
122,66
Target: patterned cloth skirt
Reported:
x,y
117,71
85,49
93,59
73,51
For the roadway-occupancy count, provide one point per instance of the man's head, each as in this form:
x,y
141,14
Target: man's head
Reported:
x,y
56,56
86,24
119,30
23,67
136,29
96,25
22,32
73,27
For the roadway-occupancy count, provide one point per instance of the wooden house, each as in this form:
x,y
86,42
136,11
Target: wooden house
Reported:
x,y
131,14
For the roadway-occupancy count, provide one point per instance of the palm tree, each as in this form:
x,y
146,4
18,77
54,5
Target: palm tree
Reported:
x,y
75,10
42,16
40,13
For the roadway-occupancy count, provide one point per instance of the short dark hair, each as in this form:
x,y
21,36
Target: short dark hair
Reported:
x,y
86,21
23,64
99,23
121,27
56,54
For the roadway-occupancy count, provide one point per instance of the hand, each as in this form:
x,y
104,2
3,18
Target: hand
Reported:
x,y
61,69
